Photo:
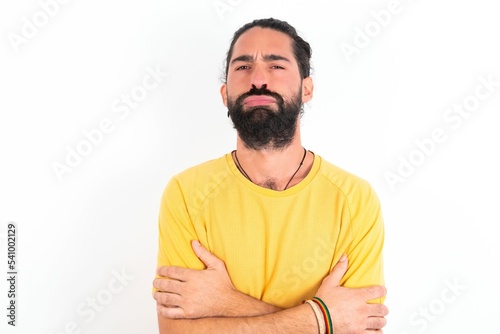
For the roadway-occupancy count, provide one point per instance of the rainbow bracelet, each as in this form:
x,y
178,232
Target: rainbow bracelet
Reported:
x,y
319,316
326,314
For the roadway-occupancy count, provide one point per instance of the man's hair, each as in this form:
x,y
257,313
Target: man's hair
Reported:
x,y
301,48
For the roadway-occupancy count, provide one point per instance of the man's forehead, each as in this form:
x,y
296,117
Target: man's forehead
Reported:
x,y
263,42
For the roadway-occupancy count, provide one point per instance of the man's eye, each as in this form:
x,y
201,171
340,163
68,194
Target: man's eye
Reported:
x,y
277,67
243,67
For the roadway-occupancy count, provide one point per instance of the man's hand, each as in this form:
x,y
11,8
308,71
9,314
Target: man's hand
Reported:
x,y
348,308
189,293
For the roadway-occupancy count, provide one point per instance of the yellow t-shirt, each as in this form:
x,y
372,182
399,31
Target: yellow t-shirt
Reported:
x,y
277,245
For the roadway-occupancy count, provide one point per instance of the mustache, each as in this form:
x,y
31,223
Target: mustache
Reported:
x,y
260,91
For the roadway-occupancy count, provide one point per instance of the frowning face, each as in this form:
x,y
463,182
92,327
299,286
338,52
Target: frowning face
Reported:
x,y
264,91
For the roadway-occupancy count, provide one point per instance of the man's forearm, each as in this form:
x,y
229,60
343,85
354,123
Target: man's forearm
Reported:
x,y
299,319
242,305
233,305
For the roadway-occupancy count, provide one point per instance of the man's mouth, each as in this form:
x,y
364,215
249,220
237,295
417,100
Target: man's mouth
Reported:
x,y
258,100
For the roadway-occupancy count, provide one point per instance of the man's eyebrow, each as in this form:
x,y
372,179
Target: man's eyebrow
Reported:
x,y
242,58
249,58
272,57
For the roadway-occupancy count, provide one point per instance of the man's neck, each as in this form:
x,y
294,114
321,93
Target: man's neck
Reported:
x,y
273,168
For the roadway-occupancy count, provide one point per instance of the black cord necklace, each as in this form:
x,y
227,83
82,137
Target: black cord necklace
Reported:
x,y
240,167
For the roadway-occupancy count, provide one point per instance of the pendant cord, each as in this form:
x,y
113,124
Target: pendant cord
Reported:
x,y
240,168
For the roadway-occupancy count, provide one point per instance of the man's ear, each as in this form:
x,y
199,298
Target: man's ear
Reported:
x,y
307,89
223,93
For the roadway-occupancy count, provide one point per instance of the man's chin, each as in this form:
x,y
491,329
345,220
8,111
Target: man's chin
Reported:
x,y
260,117
266,142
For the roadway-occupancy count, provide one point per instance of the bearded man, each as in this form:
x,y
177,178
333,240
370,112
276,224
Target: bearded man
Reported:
x,y
270,238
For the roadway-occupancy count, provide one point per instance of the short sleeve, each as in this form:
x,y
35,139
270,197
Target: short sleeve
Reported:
x,y
365,250
176,230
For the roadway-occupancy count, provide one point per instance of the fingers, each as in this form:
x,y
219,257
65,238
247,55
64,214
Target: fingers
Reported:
x,y
339,270
170,312
177,273
376,317
204,255
374,292
375,323
167,299
377,310
167,285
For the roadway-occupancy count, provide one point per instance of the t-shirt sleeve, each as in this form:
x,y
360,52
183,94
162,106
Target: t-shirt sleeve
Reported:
x,y
176,230
367,240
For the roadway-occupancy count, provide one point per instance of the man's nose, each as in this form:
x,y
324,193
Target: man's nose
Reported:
x,y
259,77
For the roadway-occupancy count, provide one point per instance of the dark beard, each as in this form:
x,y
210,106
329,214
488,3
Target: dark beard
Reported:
x,y
262,127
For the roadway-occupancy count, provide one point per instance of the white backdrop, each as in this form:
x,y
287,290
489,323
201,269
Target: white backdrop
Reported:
x,y
103,101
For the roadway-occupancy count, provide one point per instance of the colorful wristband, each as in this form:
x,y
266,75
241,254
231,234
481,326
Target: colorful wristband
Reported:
x,y
319,316
326,314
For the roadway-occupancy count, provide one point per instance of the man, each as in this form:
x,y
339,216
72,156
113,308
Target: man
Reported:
x,y
246,238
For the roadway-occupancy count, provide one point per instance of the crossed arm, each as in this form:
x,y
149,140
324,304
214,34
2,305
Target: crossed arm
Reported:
x,y
205,301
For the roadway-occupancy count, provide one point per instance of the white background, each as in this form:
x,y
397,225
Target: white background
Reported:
x,y
75,234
